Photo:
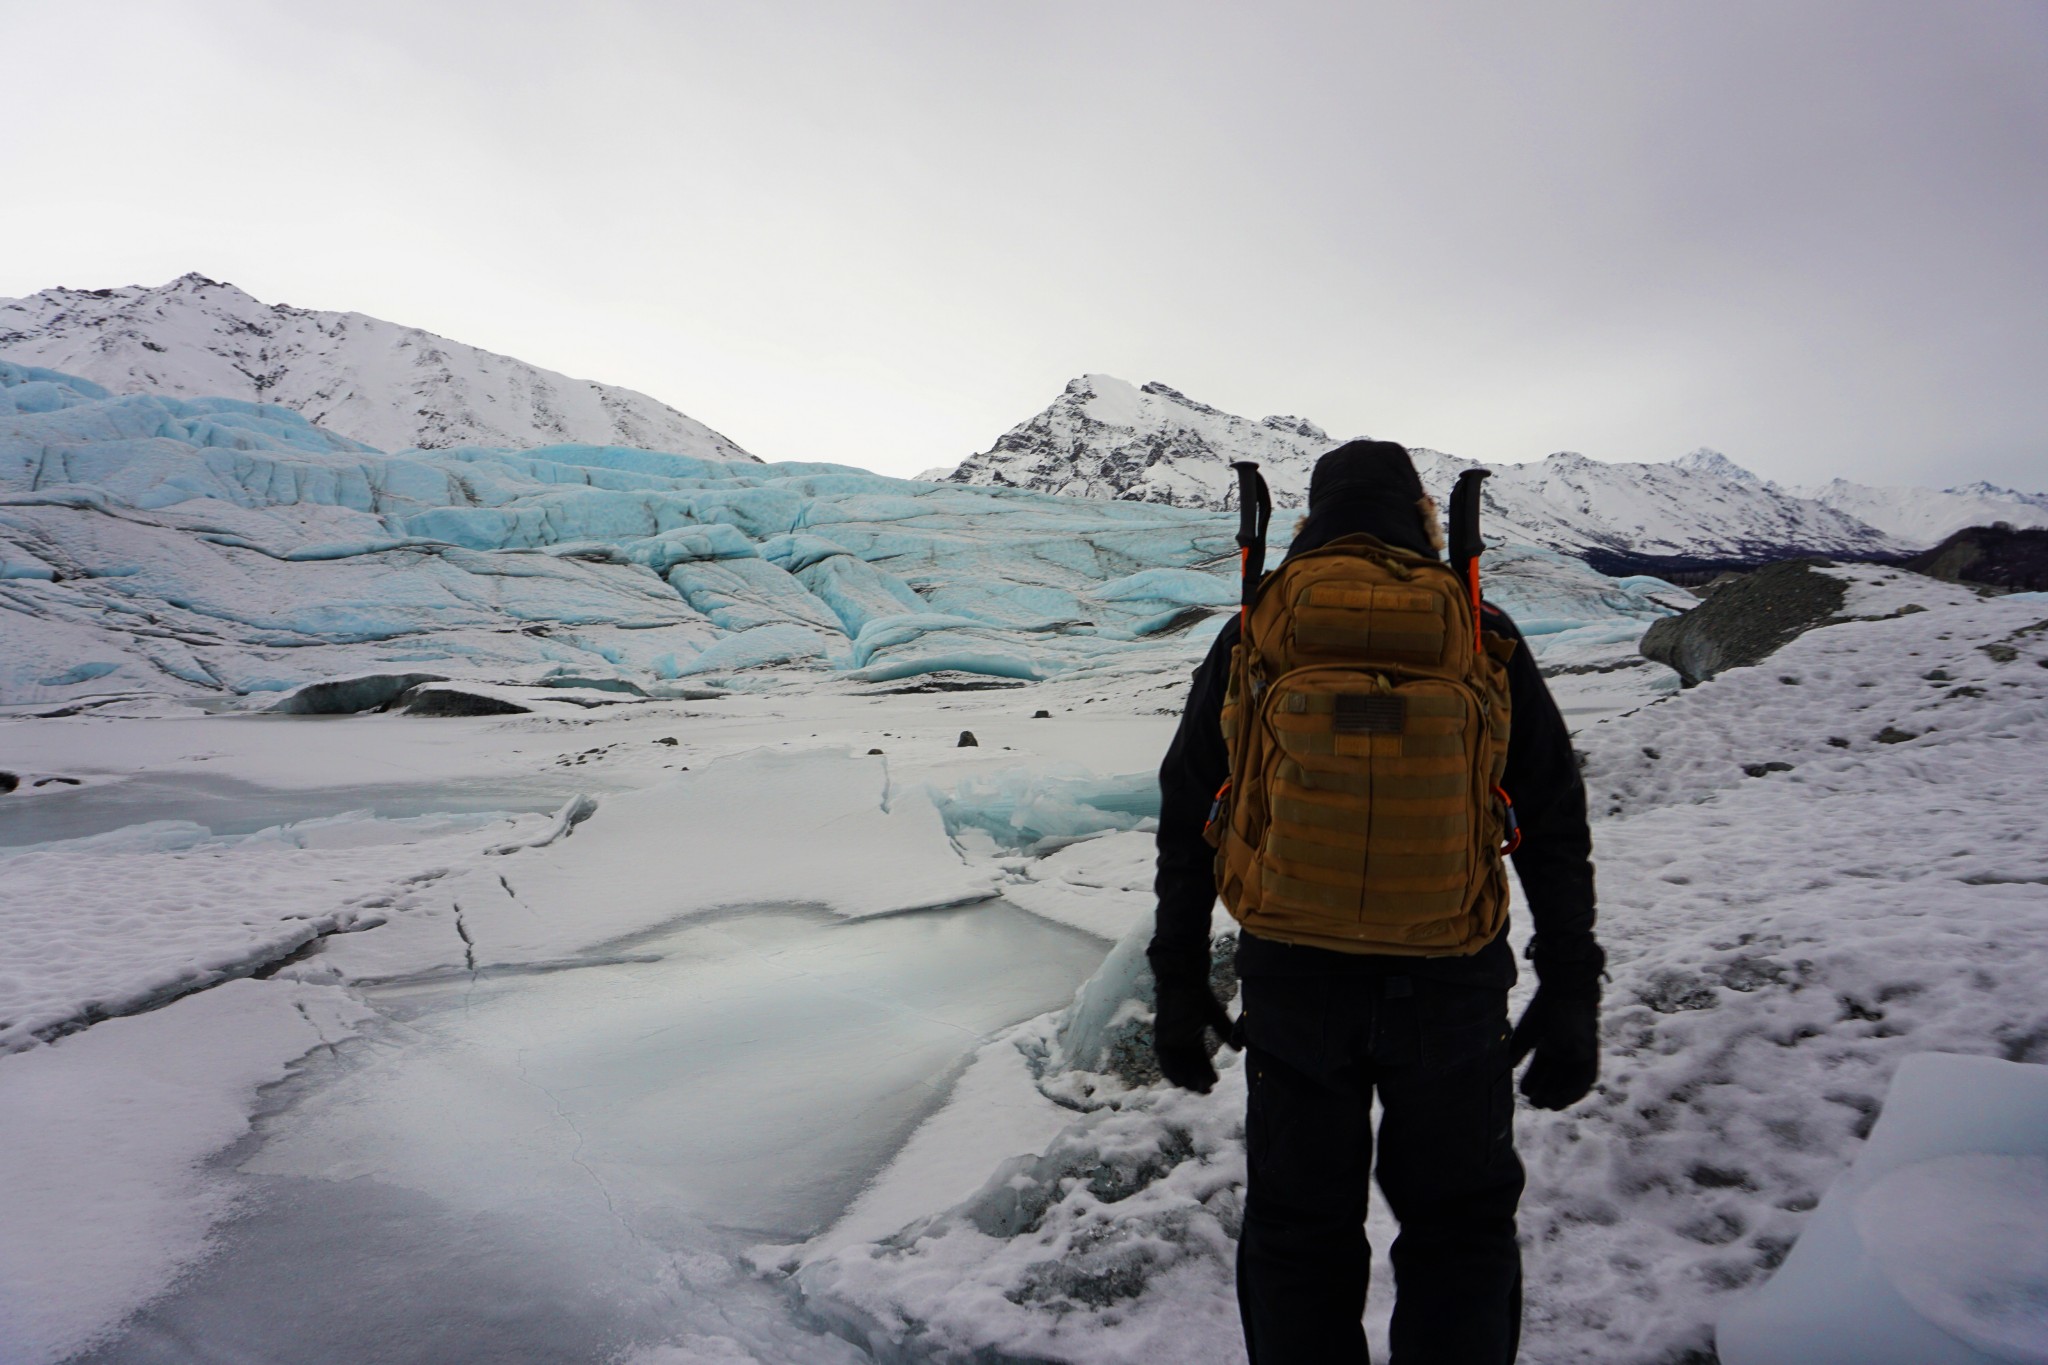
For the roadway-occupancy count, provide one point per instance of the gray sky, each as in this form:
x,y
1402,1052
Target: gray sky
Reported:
x,y
1813,235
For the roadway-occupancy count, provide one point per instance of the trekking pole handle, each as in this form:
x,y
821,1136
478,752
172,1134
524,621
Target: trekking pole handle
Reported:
x,y
1254,514
1465,542
1466,545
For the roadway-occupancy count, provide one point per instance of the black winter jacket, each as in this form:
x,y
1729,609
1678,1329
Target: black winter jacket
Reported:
x,y
1554,862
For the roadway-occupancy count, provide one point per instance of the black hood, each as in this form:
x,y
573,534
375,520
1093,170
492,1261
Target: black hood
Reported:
x,y
1369,487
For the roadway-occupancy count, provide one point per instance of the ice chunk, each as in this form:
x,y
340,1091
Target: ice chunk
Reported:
x,y
574,812
1039,809
1093,1029
1933,1248
1964,1240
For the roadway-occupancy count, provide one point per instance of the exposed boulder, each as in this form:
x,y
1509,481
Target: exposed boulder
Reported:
x,y
345,696
1746,621
442,700
1995,556
588,684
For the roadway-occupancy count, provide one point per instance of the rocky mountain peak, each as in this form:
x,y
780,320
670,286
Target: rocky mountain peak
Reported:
x,y
1707,460
1106,438
1295,426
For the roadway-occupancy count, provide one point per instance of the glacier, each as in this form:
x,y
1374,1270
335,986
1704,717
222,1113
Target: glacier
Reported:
x,y
213,549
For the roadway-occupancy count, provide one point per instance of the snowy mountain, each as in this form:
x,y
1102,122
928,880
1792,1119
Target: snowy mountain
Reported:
x,y
390,386
1922,516
1106,438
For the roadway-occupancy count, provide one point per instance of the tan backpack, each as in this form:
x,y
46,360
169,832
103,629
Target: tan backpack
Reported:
x,y
1366,718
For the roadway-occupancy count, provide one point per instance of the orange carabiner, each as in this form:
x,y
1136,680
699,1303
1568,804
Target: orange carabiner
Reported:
x,y
1507,805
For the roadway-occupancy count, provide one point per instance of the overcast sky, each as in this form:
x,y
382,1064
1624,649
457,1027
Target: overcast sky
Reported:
x,y
1811,235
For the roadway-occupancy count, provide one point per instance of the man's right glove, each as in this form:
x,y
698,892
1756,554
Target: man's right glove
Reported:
x,y
1187,1010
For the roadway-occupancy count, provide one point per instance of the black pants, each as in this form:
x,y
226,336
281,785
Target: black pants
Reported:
x,y
1317,1047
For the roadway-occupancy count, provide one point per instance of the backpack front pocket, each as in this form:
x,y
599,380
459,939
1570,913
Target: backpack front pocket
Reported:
x,y
1370,814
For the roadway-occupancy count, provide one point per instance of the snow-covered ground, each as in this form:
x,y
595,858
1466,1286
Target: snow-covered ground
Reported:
x,y
698,1019
713,1073
1809,870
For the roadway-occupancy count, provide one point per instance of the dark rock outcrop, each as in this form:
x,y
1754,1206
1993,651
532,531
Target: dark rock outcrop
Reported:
x,y
1994,556
621,685
1746,621
454,701
345,696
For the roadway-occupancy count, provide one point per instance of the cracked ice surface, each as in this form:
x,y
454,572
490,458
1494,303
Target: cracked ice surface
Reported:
x,y
594,1072
571,1159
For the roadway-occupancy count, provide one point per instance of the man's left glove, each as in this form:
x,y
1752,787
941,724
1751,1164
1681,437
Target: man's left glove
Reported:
x,y
1187,1010
1562,1027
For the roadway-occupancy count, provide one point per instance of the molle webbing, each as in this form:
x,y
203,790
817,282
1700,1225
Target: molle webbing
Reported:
x,y
1365,732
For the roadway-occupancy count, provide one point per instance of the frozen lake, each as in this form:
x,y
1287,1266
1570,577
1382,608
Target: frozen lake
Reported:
x,y
563,1164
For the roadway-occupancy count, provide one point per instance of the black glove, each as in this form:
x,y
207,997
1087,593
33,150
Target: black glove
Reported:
x,y
1562,1027
1187,1011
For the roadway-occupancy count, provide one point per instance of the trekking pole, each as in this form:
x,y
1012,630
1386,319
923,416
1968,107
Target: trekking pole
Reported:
x,y
1254,512
1465,542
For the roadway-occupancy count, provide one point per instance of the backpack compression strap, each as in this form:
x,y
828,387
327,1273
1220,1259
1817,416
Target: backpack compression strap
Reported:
x,y
1254,512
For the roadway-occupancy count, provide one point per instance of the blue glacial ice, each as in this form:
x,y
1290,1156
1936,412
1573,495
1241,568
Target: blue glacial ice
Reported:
x,y
198,547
